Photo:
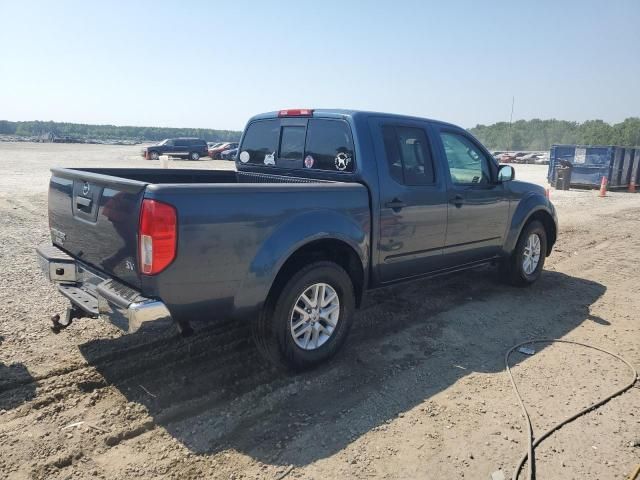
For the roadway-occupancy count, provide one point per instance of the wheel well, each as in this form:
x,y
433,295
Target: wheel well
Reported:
x,y
549,227
332,250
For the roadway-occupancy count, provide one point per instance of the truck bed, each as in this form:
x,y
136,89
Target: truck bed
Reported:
x,y
229,225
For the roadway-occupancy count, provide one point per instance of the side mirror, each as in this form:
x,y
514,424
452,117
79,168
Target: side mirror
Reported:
x,y
506,173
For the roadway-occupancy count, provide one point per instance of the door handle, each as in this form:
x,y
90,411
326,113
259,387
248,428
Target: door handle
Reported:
x,y
82,202
395,204
457,200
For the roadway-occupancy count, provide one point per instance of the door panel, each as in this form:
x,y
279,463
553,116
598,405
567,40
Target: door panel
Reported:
x,y
180,147
170,148
476,224
412,216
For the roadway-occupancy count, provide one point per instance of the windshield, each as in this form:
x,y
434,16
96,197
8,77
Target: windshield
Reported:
x,y
164,142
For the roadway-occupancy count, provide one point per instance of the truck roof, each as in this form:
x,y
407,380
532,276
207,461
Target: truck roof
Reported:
x,y
342,113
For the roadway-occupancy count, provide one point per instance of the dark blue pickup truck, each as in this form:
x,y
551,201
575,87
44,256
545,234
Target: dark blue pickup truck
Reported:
x,y
324,205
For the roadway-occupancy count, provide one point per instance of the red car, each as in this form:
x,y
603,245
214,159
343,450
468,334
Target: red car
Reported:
x,y
217,150
506,157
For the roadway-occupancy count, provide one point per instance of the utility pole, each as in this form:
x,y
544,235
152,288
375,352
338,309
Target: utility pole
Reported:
x,y
513,101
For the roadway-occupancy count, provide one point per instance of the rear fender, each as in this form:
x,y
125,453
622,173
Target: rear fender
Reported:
x,y
297,232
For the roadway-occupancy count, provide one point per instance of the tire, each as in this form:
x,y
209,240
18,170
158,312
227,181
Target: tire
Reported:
x,y
153,155
515,270
273,332
194,156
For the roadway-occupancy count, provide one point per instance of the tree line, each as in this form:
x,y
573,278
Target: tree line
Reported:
x,y
533,134
111,132
541,134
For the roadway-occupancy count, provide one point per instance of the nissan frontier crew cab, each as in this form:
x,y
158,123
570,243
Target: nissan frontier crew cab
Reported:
x,y
324,205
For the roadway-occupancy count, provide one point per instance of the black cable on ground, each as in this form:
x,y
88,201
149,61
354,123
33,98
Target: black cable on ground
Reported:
x,y
531,443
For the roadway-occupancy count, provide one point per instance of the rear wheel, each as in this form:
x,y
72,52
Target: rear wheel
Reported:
x,y
194,156
309,320
525,265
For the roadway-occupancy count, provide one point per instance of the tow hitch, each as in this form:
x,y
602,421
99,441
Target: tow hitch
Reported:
x,y
71,313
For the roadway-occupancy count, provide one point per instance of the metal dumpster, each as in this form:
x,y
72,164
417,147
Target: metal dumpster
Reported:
x,y
627,165
635,168
591,163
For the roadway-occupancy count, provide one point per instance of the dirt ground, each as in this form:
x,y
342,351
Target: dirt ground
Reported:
x,y
419,391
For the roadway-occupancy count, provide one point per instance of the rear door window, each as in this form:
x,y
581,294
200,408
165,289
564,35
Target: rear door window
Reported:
x,y
408,155
329,146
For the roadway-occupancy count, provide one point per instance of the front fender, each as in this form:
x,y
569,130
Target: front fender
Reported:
x,y
529,205
290,236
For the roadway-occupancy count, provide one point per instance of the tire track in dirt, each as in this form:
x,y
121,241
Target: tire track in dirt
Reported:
x,y
140,357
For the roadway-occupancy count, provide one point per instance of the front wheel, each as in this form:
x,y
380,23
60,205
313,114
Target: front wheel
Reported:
x,y
154,155
194,156
310,319
525,264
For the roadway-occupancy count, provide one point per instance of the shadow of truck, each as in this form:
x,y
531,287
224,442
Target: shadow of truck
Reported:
x,y
16,385
213,391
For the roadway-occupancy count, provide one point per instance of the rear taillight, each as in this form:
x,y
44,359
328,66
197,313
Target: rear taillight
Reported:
x,y
158,236
298,112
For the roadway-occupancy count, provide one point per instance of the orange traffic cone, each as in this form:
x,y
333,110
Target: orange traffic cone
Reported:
x,y
603,187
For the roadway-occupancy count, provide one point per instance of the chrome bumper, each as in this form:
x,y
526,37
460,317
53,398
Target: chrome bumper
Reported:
x,y
97,294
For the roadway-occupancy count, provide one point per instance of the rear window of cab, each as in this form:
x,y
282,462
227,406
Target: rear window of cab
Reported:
x,y
316,144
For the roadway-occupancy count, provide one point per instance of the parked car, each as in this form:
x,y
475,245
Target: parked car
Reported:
x,y
518,156
542,159
325,205
229,154
506,157
529,157
191,148
215,152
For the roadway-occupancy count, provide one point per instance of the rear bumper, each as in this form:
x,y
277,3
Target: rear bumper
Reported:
x,y
97,294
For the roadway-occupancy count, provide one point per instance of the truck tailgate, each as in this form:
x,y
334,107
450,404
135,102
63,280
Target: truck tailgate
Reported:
x,y
94,218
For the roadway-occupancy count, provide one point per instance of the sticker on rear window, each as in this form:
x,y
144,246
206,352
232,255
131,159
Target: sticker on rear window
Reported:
x,y
269,158
308,161
342,161
244,156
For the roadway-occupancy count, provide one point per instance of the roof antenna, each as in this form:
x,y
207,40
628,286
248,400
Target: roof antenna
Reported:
x,y
513,100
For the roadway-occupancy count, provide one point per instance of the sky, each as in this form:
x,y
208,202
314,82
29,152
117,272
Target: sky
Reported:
x,y
214,64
